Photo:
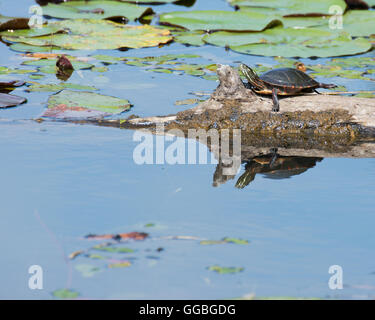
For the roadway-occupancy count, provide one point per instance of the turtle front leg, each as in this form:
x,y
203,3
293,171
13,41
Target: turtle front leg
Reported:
x,y
327,85
275,100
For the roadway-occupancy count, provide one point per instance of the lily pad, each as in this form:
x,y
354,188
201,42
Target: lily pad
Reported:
x,y
77,65
22,47
289,21
87,270
122,264
219,20
9,100
308,42
114,249
90,34
57,87
12,23
65,294
225,270
225,240
69,104
150,1
95,10
190,38
293,7
358,23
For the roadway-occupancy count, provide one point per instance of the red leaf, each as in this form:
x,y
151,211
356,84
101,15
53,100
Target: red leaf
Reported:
x,y
120,236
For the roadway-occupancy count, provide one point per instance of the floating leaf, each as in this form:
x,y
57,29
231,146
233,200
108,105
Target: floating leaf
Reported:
x,y
224,240
289,42
36,76
57,87
292,7
120,236
149,225
191,38
82,104
12,83
225,270
65,294
365,95
186,102
358,23
113,249
87,270
122,264
96,34
218,20
99,69
95,10
22,47
12,23
75,254
51,63
95,256
9,100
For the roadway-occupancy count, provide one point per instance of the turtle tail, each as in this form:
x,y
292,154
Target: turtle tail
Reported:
x,y
251,76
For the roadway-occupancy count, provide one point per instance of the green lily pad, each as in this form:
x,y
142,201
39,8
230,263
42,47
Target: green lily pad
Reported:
x,y
57,87
150,1
353,62
308,42
186,102
218,20
190,38
225,240
95,10
87,270
36,76
365,95
69,104
99,69
160,70
22,47
90,34
289,22
95,256
328,72
114,249
65,294
149,225
358,23
293,7
225,270
122,264
77,65
106,58
6,70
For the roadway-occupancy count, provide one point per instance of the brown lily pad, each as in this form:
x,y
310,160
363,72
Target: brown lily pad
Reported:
x,y
9,100
119,236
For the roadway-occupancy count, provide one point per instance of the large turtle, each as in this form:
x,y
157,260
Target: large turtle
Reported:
x,y
282,81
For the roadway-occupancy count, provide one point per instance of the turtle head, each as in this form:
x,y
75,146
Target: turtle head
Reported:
x,y
251,76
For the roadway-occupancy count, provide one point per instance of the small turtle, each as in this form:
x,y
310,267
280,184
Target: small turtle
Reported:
x,y
283,81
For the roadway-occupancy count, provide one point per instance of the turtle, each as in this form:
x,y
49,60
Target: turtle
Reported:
x,y
281,81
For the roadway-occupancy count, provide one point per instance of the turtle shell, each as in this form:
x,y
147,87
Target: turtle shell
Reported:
x,y
288,78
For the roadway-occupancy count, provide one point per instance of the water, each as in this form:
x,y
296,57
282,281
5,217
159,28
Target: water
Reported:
x,y
61,181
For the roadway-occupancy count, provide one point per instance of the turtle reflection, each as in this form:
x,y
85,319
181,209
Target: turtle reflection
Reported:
x,y
275,166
